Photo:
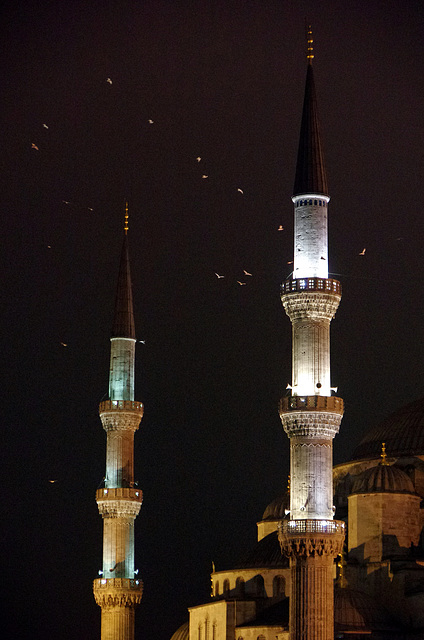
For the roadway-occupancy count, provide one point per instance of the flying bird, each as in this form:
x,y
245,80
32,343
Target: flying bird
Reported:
x,y
290,262
198,158
240,191
34,146
90,209
150,121
142,341
49,246
45,126
52,481
66,202
362,253
204,176
218,276
240,283
64,344
281,228
246,273
109,80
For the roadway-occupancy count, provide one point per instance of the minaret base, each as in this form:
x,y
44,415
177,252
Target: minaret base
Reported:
x,y
311,546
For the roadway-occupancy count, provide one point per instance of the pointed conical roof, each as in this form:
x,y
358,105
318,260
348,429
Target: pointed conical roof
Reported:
x,y
123,321
310,170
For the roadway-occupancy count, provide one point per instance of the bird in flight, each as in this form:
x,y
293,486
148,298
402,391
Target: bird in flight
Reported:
x,y
204,176
45,126
64,344
109,80
198,158
34,146
150,121
66,202
240,283
218,276
290,262
142,341
281,228
362,253
240,191
246,273
52,481
90,208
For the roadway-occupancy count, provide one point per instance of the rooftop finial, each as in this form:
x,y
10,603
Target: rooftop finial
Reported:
x,y
383,454
310,44
126,219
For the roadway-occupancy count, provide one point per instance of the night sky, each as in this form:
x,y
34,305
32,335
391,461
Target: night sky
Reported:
x,y
223,81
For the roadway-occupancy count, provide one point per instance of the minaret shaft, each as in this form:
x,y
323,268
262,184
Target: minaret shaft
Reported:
x,y
121,374
310,236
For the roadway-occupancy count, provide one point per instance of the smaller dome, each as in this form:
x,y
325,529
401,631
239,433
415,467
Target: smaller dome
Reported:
x,y
276,509
383,478
182,633
354,611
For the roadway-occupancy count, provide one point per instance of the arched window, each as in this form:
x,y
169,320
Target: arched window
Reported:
x,y
226,587
240,586
259,586
217,588
278,586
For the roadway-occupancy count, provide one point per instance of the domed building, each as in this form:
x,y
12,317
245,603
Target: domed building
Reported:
x,y
380,593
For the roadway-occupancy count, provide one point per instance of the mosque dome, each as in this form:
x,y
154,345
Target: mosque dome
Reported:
x,y
383,478
402,431
182,633
265,553
277,508
356,612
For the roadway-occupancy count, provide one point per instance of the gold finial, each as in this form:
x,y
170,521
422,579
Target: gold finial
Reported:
x,y
310,43
126,219
341,564
383,454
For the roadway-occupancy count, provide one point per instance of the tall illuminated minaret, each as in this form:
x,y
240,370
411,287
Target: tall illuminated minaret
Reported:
x,y
119,589
311,416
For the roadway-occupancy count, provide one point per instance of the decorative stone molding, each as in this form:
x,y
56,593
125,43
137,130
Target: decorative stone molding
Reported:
x,y
311,304
310,538
118,508
309,424
117,592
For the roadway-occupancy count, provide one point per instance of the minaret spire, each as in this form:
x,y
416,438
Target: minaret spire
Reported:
x,y
311,416
119,590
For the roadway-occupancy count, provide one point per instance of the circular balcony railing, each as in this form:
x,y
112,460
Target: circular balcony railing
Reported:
x,y
326,285
121,405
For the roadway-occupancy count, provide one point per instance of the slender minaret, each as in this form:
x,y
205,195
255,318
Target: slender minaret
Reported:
x,y
311,417
119,590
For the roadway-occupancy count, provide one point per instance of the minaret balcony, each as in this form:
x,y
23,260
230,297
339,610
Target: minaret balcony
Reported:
x,y
117,592
331,404
121,405
311,284
311,538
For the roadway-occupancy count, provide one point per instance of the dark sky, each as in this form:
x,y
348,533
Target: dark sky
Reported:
x,y
223,81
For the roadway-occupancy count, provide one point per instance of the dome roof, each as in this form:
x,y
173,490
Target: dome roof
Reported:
x,y
355,611
276,509
402,431
182,632
266,553
383,478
